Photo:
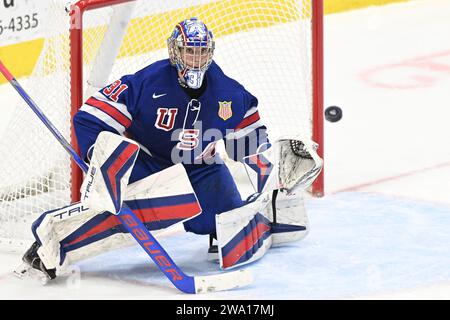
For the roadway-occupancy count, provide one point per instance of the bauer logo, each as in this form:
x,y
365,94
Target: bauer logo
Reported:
x,y
141,235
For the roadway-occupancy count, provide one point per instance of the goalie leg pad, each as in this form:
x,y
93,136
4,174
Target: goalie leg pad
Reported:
x,y
52,226
243,235
246,234
74,233
109,171
77,232
292,223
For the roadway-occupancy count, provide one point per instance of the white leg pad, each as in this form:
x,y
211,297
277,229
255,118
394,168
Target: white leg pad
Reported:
x,y
290,210
105,185
54,226
245,234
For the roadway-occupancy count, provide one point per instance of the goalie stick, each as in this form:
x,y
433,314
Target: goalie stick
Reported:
x,y
183,282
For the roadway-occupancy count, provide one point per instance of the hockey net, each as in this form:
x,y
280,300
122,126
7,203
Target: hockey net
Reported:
x,y
267,45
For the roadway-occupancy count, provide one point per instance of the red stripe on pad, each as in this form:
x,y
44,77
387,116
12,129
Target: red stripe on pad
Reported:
x,y
118,164
182,211
107,224
247,243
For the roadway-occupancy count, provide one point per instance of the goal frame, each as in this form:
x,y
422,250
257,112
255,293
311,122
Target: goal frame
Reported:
x,y
76,80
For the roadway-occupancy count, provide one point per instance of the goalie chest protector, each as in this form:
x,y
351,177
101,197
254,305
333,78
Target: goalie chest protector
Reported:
x,y
152,108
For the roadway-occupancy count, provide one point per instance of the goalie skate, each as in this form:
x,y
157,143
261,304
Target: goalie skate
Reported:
x,y
33,267
213,250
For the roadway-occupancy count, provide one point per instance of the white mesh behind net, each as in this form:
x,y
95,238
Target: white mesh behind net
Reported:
x,y
264,44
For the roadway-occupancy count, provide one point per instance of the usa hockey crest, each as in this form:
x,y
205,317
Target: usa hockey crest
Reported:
x,y
225,111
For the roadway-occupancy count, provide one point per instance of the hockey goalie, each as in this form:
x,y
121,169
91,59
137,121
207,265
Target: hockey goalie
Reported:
x,y
150,141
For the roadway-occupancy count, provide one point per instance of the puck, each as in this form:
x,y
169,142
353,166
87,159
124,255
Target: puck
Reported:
x,y
333,114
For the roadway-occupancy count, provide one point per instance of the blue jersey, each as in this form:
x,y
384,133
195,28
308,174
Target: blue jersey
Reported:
x,y
152,108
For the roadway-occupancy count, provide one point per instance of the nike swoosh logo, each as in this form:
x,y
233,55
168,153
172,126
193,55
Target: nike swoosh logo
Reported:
x,y
156,96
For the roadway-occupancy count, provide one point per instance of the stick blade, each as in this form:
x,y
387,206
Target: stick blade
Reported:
x,y
223,281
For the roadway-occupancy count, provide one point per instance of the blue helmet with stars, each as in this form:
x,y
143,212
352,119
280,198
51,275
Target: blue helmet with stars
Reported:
x,y
191,49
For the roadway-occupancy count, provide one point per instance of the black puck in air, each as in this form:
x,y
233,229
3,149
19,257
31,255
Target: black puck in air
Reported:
x,y
333,114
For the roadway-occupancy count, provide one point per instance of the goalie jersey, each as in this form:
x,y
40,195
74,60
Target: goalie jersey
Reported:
x,y
171,125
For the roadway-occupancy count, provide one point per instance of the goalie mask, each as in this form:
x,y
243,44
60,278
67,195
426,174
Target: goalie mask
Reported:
x,y
191,48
